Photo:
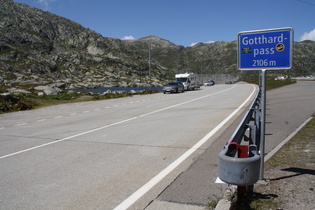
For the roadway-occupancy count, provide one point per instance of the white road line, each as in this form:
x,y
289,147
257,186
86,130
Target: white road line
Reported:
x,y
67,138
2,128
150,184
106,126
279,146
58,117
103,127
73,114
41,120
21,124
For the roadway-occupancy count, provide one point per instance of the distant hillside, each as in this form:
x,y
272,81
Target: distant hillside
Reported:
x,y
38,47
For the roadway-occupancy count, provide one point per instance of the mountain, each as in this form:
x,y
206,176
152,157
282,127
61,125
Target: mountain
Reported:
x,y
37,47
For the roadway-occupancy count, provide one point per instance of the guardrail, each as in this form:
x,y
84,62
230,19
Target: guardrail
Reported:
x,y
240,160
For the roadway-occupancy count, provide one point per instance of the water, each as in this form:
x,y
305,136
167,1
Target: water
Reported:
x,y
125,89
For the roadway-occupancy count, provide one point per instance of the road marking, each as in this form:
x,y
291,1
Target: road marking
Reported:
x,y
110,125
21,124
279,146
106,126
150,184
67,138
72,114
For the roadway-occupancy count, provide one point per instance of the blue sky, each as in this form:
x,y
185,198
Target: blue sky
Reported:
x,y
185,22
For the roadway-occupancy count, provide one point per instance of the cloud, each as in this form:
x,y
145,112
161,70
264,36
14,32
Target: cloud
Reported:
x,y
309,36
128,38
194,43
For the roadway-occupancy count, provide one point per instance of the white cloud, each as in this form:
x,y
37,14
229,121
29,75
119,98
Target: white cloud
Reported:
x,y
128,38
309,35
194,43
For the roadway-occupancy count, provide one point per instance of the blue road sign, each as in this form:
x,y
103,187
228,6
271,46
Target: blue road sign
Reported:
x,y
265,49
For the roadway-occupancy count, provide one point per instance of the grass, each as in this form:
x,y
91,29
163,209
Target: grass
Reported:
x,y
273,84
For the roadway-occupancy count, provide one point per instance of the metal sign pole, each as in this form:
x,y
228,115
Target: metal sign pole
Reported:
x,y
262,126
270,49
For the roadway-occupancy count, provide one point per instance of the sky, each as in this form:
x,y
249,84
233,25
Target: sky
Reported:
x,y
185,22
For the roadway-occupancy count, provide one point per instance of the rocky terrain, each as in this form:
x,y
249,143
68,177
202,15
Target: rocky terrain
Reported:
x,y
39,48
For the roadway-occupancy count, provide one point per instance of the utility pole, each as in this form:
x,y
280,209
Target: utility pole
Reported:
x,y
150,66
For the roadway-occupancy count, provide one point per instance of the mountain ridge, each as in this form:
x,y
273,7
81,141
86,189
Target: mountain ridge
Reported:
x,y
42,48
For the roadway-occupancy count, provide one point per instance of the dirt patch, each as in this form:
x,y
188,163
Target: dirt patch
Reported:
x,y
84,98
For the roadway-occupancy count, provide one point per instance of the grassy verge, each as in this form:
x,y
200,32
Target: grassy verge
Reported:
x,y
273,84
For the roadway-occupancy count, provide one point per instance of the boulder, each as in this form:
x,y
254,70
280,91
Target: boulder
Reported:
x,y
71,92
16,90
58,85
48,90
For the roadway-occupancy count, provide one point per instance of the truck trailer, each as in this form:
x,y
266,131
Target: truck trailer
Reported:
x,y
190,81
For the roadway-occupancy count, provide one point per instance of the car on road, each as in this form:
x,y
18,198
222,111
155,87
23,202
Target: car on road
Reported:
x,y
209,83
174,87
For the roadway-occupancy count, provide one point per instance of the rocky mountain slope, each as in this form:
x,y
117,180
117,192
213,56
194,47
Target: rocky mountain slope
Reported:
x,y
38,47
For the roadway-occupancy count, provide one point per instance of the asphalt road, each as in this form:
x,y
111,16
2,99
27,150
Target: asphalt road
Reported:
x,y
286,109
95,155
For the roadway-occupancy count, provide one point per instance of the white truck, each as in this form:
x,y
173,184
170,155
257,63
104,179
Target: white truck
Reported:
x,y
190,81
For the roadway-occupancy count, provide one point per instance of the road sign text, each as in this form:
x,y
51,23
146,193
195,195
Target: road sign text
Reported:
x,y
268,49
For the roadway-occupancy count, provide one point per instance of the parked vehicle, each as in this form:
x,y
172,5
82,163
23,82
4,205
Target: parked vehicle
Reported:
x,y
209,83
174,87
189,80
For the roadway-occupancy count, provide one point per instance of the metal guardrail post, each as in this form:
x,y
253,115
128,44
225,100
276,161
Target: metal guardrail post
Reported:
x,y
262,124
243,171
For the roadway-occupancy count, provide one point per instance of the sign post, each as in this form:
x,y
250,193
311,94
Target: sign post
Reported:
x,y
270,49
